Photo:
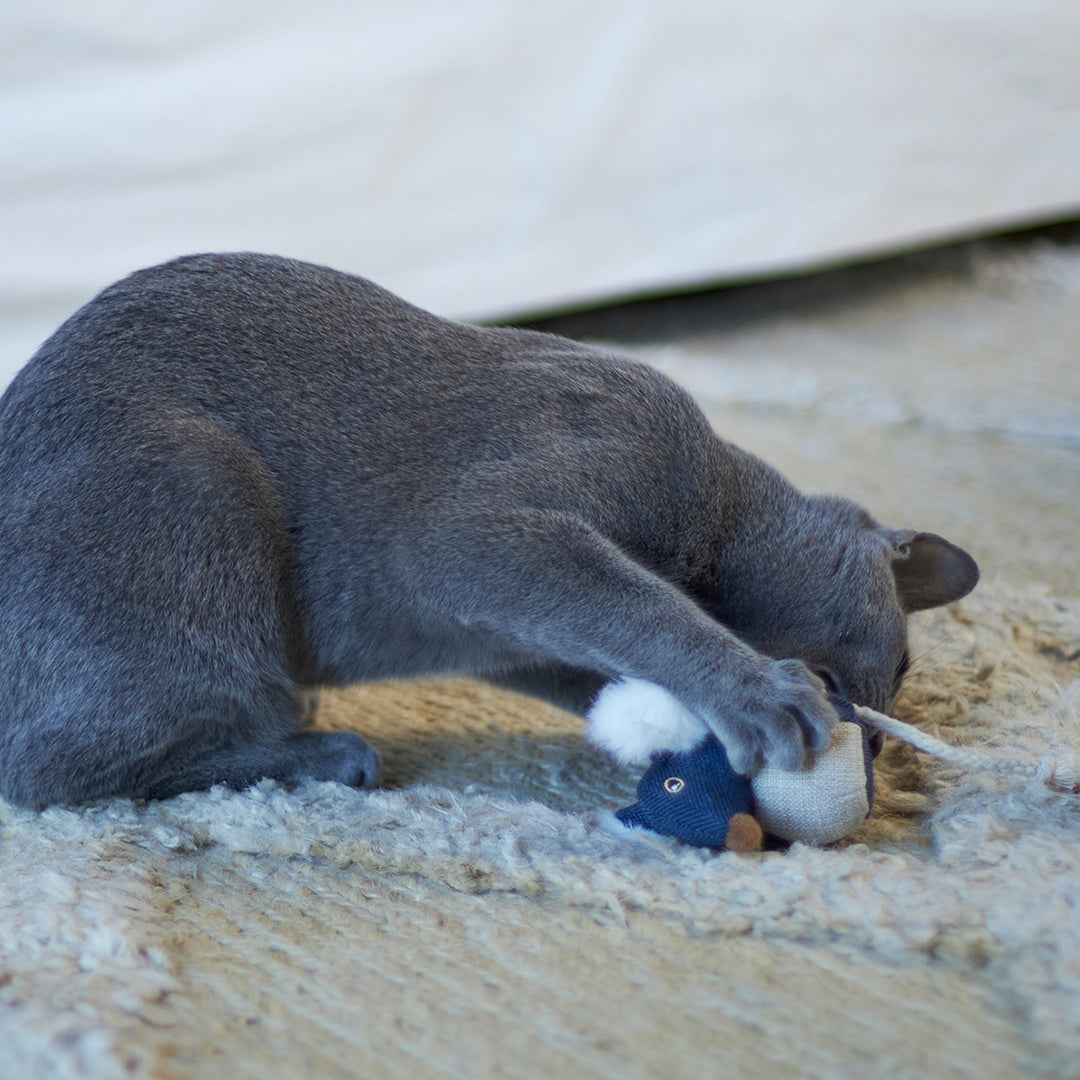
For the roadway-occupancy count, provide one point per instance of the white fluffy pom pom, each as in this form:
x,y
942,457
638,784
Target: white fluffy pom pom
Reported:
x,y
631,719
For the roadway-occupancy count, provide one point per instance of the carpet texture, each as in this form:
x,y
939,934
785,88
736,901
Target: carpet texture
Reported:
x,y
119,922
477,917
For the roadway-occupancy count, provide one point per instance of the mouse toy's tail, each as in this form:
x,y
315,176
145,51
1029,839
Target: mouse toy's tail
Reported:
x,y
1060,771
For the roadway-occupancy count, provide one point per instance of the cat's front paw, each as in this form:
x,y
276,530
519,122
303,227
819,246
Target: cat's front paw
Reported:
x,y
777,713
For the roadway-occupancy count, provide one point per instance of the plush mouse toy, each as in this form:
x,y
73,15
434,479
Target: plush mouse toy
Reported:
x,y
690,791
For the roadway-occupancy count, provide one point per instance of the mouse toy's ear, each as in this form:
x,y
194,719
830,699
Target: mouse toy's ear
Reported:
x,y
930,571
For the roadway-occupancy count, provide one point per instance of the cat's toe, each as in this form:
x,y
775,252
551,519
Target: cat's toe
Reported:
x,y
341,756
358,764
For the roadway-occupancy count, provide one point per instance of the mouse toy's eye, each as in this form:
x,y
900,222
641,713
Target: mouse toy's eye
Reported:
x,y
674,784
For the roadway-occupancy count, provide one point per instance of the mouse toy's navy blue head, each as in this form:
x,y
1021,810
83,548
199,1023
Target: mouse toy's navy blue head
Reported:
x,y
697,797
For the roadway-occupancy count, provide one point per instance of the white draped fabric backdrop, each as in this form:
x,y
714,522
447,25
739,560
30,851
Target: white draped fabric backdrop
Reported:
x,y
488,157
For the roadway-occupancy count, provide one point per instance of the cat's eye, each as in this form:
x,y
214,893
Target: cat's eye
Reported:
x,y
830,679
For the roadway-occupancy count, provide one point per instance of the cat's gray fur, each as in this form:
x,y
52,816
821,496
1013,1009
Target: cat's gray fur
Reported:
x,y
232,478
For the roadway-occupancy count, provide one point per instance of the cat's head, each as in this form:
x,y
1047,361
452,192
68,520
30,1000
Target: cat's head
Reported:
x,y
833,588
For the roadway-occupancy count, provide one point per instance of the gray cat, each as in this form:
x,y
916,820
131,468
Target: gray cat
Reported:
x,y
233,478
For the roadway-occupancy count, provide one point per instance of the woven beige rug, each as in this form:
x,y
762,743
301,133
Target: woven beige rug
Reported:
x,y
475,918
450,926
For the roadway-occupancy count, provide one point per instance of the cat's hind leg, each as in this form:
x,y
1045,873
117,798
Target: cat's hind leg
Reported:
x,y
150,640
340,756
78,756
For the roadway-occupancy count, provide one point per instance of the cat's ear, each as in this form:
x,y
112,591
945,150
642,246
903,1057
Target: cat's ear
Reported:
x,y
930,571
